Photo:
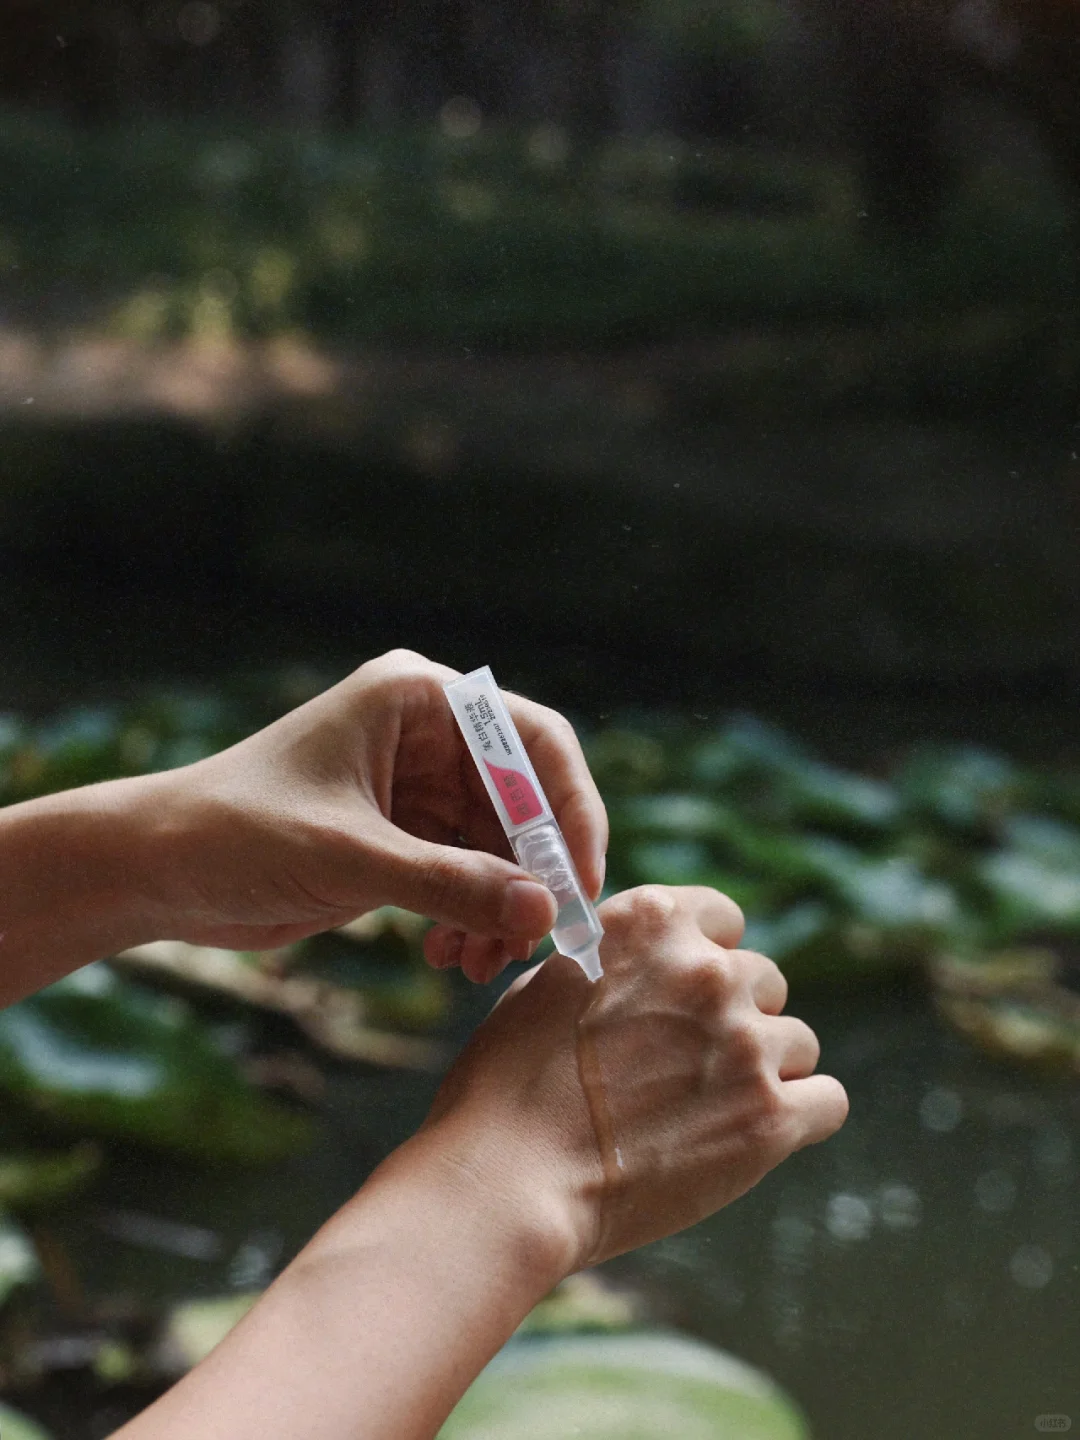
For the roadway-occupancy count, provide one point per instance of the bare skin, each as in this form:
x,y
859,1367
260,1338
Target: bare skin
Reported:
x,y
381,1323
366,796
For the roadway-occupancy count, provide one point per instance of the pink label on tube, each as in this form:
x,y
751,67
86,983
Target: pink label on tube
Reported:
x,y
517,794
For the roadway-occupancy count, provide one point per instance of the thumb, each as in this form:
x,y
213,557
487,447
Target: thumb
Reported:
x,y
468,889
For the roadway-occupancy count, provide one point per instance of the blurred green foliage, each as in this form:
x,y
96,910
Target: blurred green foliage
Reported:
x,y
955,854
95,1054
955,848
494,238
955,851
15,1426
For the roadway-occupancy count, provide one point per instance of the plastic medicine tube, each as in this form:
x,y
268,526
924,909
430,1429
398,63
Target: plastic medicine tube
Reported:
x,y
526,816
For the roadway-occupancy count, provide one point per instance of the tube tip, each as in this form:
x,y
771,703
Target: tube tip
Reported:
x,y
589,960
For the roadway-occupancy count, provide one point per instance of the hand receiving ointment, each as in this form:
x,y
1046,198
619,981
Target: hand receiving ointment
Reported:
x,y
525,814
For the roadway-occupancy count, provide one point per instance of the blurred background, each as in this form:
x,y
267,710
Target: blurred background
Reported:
x,y
711,369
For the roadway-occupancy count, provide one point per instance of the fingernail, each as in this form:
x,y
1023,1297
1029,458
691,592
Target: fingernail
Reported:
x,y
452,950
495,966
601,871
526,908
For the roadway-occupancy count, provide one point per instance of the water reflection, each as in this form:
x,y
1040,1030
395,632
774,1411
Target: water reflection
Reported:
x,y
919,1276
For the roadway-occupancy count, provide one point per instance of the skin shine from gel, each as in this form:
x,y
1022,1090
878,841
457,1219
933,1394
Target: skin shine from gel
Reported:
x,y
526,816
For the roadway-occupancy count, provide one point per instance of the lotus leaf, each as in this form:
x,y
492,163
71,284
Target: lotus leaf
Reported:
x,y
195,1327
77,749
1051,841
890,894
582,1304
1032,892
626,762
334,1017
683,817
965,788
821,795
31,1182
16,1426
18,1259
760,746
96,1053
622,1387
783,937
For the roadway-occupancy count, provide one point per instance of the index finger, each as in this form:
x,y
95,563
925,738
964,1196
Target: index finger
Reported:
x,y
562,770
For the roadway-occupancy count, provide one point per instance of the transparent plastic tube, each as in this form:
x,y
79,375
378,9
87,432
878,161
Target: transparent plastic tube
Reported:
x,y
525,814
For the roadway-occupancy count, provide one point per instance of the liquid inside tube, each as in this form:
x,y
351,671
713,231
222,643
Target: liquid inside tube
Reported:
x,y
577,932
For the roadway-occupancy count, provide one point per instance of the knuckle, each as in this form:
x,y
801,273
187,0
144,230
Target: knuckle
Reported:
x,y
401,662
745,1050
738,919
708,979
561,728
767,1119
642,913
772,1127
653,908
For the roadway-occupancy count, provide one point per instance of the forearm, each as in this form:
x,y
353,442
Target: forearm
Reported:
x,y
383,1321
73,882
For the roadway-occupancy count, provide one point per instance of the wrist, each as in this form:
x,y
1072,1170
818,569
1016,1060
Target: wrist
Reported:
x,y
77,868
484,1190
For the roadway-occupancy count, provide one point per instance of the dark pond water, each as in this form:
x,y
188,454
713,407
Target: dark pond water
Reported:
x,y
919,1275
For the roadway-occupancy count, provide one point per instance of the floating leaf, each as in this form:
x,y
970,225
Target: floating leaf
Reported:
x,y
625,762
32,1182
782,937
669,862
195,1327
1030,892
386,921
821,795
890,894
967,788
19,1263
582,1304
1051,841
334,1017
16,1426
683,817
761,746
96,1053
622,1387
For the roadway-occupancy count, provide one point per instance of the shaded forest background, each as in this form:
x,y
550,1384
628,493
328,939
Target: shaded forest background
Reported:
x,y
793,277
875,77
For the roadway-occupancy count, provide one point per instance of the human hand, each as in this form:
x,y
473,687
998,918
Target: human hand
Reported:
x,y
407,1292
365,796
706,1086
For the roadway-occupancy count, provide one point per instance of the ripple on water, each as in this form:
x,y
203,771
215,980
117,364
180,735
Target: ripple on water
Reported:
x,y
1031,1267
899,1207
995,1192
941,1110
848,1217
